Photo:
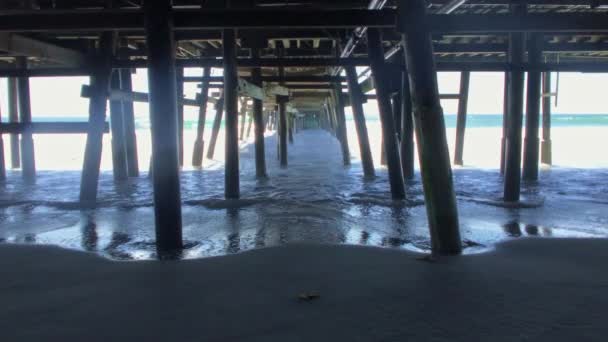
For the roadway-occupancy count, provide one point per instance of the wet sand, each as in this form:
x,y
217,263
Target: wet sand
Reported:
x,y
525,290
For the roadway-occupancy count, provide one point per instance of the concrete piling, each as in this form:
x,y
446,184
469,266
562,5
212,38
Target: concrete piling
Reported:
x,y
531,141
258,108
164,121
461,119
25,115
434,157
99,84
407,129
356,101
199,143
215,130
126,84
376,55
231,175
545,149
119,157
13,117
517,52
179,80
341,132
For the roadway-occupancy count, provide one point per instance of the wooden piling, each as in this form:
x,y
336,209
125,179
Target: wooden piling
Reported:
x,y
341,123
13,117
119,158
434,156
215,130
199,143
505,121
231,175
407,129
376,55
397,108
25,115
164,122
179,78
258,107
356,102
99,85
517,52
461,119
126,84
290,124
545,149
531,141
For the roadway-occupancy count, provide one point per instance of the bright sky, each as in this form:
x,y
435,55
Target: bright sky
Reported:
x,y
578,94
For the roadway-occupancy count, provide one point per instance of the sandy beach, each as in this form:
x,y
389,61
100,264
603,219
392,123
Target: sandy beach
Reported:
x,y
527,290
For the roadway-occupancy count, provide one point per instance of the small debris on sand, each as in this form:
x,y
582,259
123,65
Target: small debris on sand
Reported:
x,y
308,296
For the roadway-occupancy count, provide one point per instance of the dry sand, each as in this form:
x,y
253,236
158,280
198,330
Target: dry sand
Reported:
x,y
525,290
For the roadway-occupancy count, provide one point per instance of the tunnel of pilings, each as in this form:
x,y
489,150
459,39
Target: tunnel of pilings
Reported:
x,y
291,66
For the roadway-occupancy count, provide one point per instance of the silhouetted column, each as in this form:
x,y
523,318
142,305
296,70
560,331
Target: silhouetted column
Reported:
x,y
27,142
232,120
119,161
99,84
126,84
290,128
376,55
164,122
199,143
249,125
243,115
282,130
13,117
434,157
545,156
461,119
531,142
258,107
407,129
514,121
215,130
356,102
2,160
397,107
505,121
341,123
179,77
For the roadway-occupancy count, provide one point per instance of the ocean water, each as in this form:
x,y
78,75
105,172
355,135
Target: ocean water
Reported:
x,y
315,200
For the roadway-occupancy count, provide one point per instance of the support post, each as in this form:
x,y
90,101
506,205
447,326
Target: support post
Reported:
x,y
397,107
356,102
434,156
249,125
461,119
100,82
290,126
545,156
2,160
258,107
163,114
179,77
376,54
341,123
215,130
119,160
126,84
25,114
231,175
407,129
199,143
531,142
243,118
505,121
282,130
514,121
13,117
